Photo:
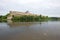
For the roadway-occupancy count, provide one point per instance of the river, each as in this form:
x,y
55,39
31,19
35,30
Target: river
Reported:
x,y
30,30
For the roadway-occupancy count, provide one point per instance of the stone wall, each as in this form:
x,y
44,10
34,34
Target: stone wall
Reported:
x,y
16,13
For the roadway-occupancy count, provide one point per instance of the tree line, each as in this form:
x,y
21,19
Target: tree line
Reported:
x,y
29,18
3,18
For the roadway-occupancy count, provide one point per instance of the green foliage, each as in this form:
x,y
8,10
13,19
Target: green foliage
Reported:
x,y
36,18
24,18
3,18
54,18
7,14
29,18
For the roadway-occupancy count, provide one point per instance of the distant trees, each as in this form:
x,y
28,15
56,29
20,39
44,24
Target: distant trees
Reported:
x,y
3,18
23,18
0,17
54,18
29,18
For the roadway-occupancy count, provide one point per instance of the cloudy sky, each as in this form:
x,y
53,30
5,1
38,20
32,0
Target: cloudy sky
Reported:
x,y
44,7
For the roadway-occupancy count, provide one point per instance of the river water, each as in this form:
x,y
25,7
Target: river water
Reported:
x,y
30,30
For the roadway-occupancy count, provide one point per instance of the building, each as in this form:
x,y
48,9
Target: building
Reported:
x,y
16,13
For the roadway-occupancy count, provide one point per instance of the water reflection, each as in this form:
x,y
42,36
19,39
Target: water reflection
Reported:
x,y
30,30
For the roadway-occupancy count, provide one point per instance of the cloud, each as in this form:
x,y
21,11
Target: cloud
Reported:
x,y
45,7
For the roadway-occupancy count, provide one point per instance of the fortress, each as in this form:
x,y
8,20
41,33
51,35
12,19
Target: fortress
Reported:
x,y
16,13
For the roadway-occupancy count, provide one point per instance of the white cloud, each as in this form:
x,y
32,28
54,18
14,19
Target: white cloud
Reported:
x,y
45,7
